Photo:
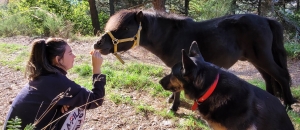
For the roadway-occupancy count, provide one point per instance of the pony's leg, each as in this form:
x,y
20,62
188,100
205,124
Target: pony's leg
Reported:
x,y
280,75
267,78
276,88
176,102
272,86
171,98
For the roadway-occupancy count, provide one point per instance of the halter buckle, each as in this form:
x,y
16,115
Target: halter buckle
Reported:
x,y
115,41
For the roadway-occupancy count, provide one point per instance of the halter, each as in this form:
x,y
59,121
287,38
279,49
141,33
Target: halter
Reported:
x,y
115,41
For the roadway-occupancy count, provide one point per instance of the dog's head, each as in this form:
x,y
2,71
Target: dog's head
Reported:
x,y
189,74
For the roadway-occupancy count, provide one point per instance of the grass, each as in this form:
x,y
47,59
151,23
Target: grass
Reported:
x,y
261,84
120,99
293,50
258,83
191,123
129,77
13,55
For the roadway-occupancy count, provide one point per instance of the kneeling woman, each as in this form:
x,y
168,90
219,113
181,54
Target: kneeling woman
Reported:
x,y
49,94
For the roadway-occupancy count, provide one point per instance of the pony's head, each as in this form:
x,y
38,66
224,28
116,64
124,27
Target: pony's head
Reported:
x,y
122,32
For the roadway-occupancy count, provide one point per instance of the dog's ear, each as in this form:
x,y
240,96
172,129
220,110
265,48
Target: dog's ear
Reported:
x,y
194,51
187,64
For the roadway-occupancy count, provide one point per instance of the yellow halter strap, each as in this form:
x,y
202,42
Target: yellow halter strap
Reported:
x,y
115,41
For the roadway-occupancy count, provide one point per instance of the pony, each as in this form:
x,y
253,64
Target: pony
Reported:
x,y
222,41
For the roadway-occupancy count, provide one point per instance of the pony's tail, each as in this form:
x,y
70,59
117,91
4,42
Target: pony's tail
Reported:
x,y
278,50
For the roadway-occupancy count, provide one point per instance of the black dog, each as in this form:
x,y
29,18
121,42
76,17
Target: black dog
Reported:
x,y
225,101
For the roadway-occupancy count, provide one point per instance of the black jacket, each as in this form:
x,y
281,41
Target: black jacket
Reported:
x,y
39,94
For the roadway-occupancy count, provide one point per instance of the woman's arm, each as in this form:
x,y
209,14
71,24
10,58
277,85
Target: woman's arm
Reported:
x,y
77,96
95,98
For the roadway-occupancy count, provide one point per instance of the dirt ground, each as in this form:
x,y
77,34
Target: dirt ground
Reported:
x,y
110,115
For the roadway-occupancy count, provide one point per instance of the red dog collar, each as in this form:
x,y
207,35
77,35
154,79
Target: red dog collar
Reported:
x,y
206,94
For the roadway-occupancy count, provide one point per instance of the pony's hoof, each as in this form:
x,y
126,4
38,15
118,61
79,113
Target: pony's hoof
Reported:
x,y
288,107
171,111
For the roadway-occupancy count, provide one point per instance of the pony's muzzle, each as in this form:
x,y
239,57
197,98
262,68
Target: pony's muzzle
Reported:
x,y
99,43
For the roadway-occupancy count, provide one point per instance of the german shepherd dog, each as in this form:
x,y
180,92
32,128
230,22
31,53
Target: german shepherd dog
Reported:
x,y
225,101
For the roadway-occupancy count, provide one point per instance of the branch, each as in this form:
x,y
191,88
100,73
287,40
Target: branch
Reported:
x,y
287,20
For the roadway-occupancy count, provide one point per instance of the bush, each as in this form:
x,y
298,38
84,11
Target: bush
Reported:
x,y
208,9
15,124
47,18
18,19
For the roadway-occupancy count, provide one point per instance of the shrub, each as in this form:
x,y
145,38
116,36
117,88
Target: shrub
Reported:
x,y
47,18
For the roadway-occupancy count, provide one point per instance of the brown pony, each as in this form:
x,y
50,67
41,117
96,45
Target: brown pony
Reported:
x,y
222,41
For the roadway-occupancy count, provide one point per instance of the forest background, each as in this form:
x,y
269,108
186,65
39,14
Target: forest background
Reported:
x,y
70,18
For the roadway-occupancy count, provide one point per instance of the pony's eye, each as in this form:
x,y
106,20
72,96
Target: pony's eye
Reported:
x,y
126,28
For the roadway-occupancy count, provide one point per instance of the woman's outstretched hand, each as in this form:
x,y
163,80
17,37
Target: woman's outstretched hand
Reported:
x,y
96,61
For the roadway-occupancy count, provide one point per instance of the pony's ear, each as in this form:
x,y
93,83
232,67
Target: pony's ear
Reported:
x,y
139,16
187,64
194,50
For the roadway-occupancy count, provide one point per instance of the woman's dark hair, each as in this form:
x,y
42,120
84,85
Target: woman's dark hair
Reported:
x,y
42,54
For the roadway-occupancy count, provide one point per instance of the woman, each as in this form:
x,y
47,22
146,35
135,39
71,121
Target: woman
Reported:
x,y
49,93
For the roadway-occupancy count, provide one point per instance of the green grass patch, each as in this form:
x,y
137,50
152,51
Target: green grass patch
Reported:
x,y
133,75
83,70
259,83
166,114
158,90
14,55
145,109
296,92
190,122
295,118
120,99
293,50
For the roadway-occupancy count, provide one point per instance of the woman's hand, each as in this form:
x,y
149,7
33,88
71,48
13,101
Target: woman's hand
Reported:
x,y
96,61
64,108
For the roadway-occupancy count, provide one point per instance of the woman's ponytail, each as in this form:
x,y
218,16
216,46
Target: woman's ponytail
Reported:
x,y
37,56
42,53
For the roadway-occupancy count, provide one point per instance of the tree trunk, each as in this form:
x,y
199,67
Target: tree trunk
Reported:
x,y
297,5
159,5
186,7
94,16
259,7
111,7
233,7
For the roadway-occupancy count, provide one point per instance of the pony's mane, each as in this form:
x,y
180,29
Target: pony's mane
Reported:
x,y
115,20
119,17
164,15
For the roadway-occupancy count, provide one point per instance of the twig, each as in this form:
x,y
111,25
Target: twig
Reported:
x,y
70,112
